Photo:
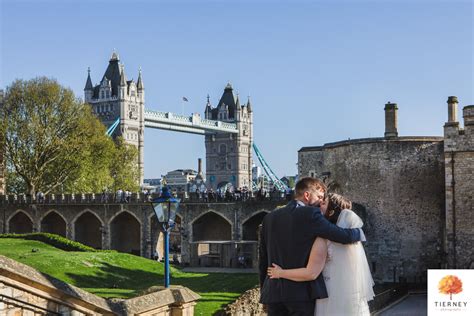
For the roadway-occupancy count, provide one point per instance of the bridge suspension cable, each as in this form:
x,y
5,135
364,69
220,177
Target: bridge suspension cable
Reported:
x,y
112,127
269,172
280,185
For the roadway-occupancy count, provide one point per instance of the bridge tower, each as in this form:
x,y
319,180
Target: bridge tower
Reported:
x,y
116,97
229,156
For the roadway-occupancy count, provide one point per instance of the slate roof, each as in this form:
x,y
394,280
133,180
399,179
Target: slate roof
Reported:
x,y
140,85
227,99
89,81
112,73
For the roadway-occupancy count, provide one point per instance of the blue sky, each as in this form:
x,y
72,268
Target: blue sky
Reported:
x,y
316,71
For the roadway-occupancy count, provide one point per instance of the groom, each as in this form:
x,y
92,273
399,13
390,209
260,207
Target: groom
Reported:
x,y
286,237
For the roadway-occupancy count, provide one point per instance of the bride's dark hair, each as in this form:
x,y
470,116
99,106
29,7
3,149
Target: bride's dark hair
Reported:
x,y
336,203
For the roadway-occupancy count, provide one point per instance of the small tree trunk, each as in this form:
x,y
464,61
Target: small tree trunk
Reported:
x,y
31,190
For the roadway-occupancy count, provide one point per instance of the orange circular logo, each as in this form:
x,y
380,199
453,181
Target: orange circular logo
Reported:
x,y
450,284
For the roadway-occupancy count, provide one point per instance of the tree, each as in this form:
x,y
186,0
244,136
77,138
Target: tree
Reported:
x,y
94,159
55,144
125,170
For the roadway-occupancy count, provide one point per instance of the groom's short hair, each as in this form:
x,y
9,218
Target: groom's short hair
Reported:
x,y
309,184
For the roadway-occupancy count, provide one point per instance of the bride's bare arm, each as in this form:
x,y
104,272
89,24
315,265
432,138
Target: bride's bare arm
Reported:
x,y
317,259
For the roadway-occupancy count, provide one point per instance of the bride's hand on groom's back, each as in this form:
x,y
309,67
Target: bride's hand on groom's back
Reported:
x,y
274,271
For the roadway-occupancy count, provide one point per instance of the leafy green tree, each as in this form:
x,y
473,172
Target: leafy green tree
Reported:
x,y
125,169
42,129
55,144
94,159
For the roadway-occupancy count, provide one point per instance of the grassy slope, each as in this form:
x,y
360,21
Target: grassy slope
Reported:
x,y
123,275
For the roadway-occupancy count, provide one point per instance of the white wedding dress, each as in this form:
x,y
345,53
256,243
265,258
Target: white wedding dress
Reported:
x,y
347,275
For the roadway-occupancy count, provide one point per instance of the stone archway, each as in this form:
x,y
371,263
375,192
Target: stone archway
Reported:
x,y
20,223
157,238
53,223
88,230
250,226
247,250
212,241
175,236
211,226
125,233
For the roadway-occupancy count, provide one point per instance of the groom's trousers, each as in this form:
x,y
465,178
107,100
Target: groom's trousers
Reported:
x,y
291,309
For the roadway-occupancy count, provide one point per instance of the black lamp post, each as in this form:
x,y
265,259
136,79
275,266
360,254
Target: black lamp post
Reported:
x,y
165,208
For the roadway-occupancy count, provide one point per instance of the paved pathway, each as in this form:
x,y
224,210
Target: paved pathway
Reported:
x,y
219,270
411,305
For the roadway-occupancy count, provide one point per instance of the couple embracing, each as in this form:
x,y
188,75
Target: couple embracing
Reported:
x,y
311,259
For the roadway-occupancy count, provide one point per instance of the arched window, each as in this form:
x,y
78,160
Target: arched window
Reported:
x,y
222,148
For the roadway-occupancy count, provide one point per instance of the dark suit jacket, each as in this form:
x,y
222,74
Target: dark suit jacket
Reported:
x,y
286,238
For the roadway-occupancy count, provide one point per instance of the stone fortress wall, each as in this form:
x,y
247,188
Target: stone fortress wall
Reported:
x,y
459,186
397,185
209,234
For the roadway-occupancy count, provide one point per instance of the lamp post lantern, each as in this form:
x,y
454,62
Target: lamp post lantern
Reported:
x,y
165,208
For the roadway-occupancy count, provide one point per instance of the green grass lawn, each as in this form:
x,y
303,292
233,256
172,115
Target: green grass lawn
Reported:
x,y
109,274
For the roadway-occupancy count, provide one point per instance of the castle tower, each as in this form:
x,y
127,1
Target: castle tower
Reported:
x,y
229,156
391,120
116,97
459,168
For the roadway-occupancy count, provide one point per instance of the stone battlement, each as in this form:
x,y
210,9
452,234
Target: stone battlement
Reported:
x,y
381,140
110,198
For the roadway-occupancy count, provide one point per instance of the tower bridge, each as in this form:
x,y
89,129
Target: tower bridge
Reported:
x,y
187,124
227,128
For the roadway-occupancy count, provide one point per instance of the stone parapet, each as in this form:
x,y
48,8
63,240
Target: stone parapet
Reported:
x,y
25,291
372,140
99,198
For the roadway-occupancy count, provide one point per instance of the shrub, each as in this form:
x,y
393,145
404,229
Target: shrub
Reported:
x,y
55,241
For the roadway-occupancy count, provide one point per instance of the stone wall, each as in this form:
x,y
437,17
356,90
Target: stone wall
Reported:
x,y
246,305
116,223
459,166
397,186
25,291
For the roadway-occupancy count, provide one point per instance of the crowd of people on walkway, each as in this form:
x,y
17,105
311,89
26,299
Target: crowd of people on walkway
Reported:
x,y
239,194
199,195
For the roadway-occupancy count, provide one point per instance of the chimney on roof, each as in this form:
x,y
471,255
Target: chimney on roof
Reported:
x,y
199,166
391,120
452,110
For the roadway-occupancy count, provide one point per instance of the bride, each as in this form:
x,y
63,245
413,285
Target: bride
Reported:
x,y
346,272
